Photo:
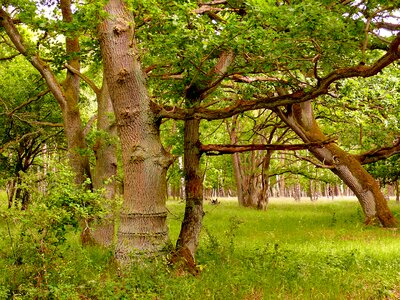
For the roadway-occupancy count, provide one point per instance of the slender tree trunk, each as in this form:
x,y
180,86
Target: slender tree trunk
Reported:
x,y
192,223
143,215
301,119
106,164
245,185
188,240
263,197
11,185
73,125
66,95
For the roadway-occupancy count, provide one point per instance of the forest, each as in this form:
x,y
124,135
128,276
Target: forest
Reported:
x,y
208,149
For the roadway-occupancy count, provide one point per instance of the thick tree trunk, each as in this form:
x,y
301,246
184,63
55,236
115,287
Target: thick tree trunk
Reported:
x,y
143,215
188,240
301,119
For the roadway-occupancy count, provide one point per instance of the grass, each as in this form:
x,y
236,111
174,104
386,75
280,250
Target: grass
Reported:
x,y
292,251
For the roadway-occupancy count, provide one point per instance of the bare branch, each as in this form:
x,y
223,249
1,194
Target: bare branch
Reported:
x,y
250,79
318,165
9,57
388,26
215,149
90,82
215,2
49,124
29,101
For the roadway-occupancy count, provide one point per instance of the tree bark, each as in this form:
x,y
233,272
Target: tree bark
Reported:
x,y
192,223
143,215
263,197
188,239
73,125
106,164
301,120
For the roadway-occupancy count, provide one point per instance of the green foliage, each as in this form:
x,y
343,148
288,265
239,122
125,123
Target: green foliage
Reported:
x,y
387,171
34,246
293,251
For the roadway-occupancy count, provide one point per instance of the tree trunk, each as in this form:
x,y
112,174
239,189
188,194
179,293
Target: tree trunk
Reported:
x,y
73,125
191,226
66,95
11,186
143,215
106,164
263,197
246,193
301,119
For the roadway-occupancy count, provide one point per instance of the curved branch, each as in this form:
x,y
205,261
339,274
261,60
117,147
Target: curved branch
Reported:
x,y
29,101
7,23
90,82
216,149
322,88
378,154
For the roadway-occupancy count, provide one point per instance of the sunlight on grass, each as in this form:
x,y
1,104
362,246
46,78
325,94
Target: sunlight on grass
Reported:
x,y
293,250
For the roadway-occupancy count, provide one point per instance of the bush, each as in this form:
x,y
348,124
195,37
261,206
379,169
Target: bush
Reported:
x,y
34,243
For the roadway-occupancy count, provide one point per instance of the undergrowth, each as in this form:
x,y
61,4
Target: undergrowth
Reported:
x,y
292,251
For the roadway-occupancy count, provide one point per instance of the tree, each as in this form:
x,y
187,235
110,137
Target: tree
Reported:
x,y
211,62
29,124
145,162
66,94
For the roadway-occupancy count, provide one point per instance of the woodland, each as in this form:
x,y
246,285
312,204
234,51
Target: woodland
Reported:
x,y
165,140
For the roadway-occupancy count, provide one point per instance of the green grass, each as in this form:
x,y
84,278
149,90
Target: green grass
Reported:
x,y
292,251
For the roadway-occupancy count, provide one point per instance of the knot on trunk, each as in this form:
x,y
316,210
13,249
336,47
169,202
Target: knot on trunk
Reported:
x,y
122,75
121,26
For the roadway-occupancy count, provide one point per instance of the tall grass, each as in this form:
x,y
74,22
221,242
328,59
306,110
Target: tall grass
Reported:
x,y
292,251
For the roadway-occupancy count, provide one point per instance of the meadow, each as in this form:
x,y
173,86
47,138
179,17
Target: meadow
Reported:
x,y
303,250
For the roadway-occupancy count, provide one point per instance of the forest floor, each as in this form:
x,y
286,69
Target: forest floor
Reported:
x,y
294,250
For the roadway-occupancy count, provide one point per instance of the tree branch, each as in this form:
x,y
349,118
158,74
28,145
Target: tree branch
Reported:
x,y
29,101
90,82
318,165
16,141
7,23
260,102
379,154
388,26
9,57
216,149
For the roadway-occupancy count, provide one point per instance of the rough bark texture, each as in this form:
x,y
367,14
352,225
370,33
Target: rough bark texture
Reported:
x,y
145,162
301,119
